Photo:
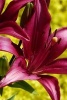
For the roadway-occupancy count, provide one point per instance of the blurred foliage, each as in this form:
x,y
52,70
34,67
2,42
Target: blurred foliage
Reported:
x,y
58,11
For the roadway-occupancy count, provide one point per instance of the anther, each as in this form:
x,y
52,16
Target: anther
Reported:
x,y
54,40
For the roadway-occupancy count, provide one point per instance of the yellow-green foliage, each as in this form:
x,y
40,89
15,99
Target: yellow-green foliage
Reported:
x,y
58,10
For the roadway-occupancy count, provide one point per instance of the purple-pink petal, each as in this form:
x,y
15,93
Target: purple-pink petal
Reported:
x,y
58,66
29,28
14,75
7,45
13,9
57,49
11,28
51,85
2,2
48,2
42,21
37,28
17,72
44,15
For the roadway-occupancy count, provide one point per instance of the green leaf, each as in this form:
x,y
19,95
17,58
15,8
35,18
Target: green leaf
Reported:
x,y
1,91
26,14
23,85
12,98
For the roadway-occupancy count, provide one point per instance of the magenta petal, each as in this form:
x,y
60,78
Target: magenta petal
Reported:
x,y
29,28
42,21
60,47
27,49
37,28
48,2
13,9
44,17
17,72
14,75
11,28
51,85
2,2
39,19
58,66
7,45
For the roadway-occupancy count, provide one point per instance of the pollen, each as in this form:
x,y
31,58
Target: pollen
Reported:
x,y
54,40
27,61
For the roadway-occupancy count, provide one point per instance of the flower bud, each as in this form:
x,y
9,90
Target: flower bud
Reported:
x,y
4,66
26,14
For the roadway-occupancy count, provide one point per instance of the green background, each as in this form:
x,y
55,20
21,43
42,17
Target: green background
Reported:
x,y
58,11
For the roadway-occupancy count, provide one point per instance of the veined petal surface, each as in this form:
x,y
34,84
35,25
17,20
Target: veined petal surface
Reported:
x,y
37,27
51,85
17,72
57,49
58,66
11,28
7,45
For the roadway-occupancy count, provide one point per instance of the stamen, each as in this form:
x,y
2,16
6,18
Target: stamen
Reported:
x,y
49,32
59,40
37,72
48,38
54,40
27,61
55,33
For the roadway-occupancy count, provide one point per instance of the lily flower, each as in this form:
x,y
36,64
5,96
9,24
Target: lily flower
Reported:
x,y
40,53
